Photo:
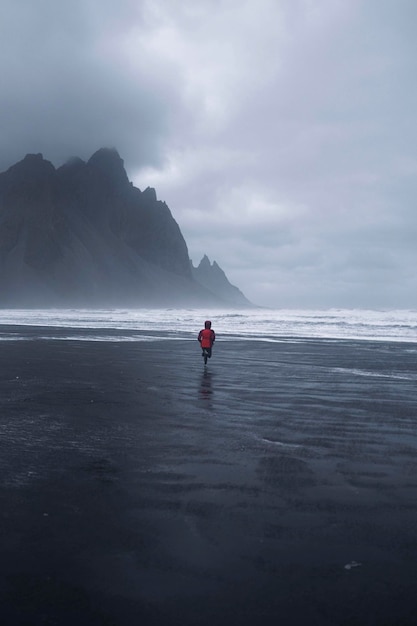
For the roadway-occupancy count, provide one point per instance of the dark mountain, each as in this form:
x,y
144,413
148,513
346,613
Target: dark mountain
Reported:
x,y
214,279
83,235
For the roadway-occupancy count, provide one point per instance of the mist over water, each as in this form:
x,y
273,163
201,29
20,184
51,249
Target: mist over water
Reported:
x,y
260,324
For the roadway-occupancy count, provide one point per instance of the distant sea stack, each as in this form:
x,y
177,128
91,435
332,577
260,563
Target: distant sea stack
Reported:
x,y
83,235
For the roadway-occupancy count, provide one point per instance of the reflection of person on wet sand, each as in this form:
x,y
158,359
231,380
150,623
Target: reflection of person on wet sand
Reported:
x,y
206,390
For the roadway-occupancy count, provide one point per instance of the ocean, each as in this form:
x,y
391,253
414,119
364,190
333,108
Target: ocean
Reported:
x,y
243,325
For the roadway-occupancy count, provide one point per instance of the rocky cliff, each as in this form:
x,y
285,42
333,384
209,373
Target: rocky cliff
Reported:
x,y
214,279
83,235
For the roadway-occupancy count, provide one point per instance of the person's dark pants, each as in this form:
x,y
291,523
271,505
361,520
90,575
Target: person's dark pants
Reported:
x,y
208,351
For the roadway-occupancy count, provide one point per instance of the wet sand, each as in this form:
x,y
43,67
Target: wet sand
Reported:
x,y
276,486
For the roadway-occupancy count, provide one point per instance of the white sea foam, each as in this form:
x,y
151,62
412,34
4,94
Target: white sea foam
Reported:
x,y
367,374
277,443
268,325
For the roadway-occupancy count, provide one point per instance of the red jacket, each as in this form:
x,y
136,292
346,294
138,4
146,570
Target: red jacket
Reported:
x,y
206,337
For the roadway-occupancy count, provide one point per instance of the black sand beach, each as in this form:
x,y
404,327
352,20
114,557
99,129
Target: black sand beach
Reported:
x,y
276,486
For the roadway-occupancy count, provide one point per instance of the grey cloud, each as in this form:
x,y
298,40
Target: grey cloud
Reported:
x,y
68,90
285,146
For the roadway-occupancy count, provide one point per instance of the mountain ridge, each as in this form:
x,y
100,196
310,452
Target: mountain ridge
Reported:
x,y
82,234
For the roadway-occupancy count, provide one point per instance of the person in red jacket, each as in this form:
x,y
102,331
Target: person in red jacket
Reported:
x,y
206,338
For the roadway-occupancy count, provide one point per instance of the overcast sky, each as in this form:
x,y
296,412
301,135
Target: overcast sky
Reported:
x,y
282,134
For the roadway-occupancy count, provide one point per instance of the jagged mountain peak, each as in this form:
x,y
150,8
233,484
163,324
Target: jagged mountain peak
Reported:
x,y
107,161
33,158
31,166
211,276
204,263
213,268
150,194
105,155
